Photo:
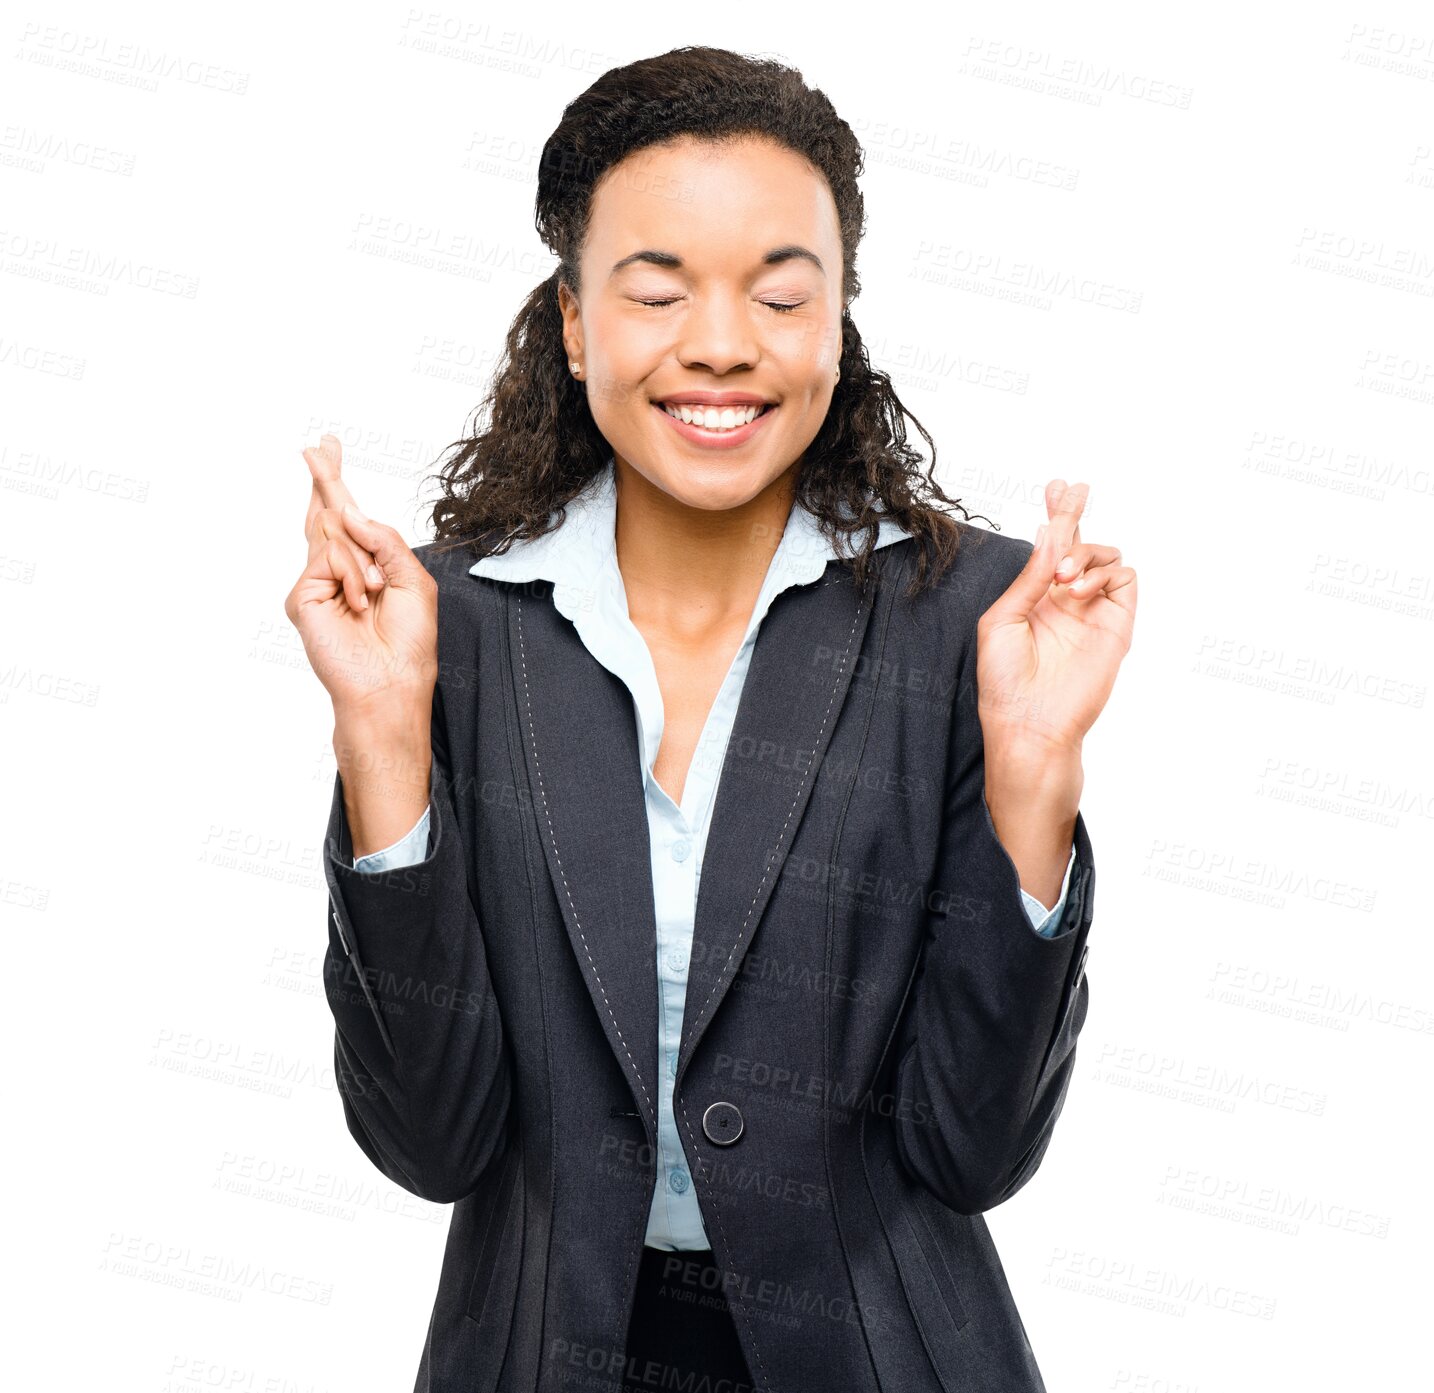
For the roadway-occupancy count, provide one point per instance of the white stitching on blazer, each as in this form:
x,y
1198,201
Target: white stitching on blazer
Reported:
x,y
558,858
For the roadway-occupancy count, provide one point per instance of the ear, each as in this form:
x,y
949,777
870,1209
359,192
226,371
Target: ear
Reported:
x,y
572,322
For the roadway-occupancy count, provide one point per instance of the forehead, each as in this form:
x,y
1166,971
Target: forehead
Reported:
x,y
696,198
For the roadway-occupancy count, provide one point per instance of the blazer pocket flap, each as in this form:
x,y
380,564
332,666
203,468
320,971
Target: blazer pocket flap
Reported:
x,y
940,1263
500,1255
925,1272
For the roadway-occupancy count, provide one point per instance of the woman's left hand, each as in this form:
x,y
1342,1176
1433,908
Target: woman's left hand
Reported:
x,y
1047,651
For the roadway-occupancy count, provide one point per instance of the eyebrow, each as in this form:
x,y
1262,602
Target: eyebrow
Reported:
x,y
670,260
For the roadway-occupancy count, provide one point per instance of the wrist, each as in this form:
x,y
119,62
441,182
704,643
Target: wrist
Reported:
x,y
384,750
397,712
1035,825
385,761
1021,774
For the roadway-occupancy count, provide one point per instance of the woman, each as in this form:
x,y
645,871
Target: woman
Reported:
x,y
692,607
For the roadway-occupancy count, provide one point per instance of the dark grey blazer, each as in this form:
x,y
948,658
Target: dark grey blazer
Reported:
x,y
876,1043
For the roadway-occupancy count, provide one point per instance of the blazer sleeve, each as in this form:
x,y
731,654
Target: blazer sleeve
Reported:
x,y
419,1050
988,1037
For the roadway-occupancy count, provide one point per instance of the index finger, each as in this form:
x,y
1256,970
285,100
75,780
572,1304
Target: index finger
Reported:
x,y
316,506
323,460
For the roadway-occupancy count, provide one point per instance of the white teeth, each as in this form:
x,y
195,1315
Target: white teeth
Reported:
x,y
712,417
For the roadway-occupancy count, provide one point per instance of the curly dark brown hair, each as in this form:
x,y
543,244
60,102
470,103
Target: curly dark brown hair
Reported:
x,y
512,478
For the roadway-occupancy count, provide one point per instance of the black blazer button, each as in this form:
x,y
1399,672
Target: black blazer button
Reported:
x,y
722,1122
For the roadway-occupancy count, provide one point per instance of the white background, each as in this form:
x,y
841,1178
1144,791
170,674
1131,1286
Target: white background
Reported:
x,y
202,271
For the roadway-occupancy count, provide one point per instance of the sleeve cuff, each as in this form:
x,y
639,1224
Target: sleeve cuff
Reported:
x,y
1047,922
409,851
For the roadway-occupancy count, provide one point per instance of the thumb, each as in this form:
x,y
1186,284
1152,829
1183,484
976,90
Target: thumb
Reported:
x,y
1033,580
400,566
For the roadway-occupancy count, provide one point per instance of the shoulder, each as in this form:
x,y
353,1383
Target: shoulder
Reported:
x,y
469,607
984,565
934,631
450,562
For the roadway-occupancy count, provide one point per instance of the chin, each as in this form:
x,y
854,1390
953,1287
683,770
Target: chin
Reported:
x,y
716,487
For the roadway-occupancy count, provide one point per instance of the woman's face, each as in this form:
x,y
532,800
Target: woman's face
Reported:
x,y
709,272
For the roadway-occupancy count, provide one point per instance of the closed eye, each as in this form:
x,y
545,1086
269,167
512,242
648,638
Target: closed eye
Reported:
x,y
777,305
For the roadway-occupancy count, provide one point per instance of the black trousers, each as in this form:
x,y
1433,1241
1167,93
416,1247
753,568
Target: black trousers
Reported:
x,y
681,1334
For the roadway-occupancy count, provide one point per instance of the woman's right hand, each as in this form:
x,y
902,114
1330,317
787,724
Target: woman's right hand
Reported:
x,y
365,607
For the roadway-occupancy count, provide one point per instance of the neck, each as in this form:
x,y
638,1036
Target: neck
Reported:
x,y
690,570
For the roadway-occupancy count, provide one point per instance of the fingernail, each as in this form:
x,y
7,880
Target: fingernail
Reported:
x,y
1065,564
375,575
354,512
1040,534
363,601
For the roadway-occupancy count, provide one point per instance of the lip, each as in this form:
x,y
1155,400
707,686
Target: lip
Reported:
x,y
714,440
710,398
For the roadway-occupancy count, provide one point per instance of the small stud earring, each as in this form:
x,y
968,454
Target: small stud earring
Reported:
x,y
574,367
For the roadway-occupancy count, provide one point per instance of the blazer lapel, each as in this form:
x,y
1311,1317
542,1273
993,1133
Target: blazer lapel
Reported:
x,y
579,738
580,742
798,680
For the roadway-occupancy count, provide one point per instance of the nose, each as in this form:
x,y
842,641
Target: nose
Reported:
x,y
718,334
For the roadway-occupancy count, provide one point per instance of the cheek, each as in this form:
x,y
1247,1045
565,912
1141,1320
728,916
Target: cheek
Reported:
x,y
625,365
809,394
808,359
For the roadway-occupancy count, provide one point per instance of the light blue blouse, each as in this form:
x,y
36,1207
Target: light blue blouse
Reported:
x,y
580,558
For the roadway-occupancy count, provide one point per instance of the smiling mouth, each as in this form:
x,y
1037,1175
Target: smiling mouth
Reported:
x,y
715,418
